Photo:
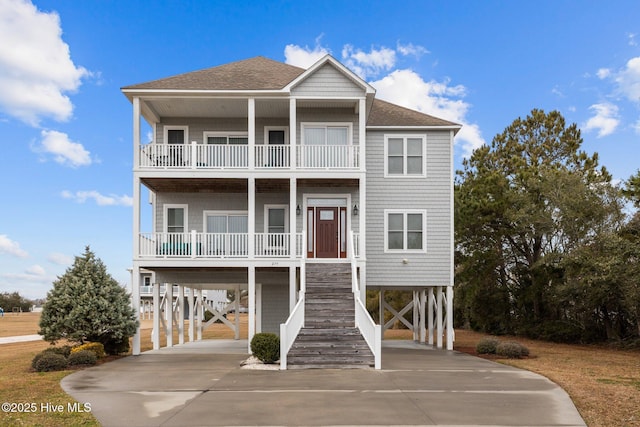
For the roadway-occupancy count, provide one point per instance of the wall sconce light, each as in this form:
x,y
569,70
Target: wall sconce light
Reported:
x,y
355,210
298,210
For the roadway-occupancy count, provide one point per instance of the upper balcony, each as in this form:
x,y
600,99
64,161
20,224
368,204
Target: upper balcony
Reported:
x,y
236,157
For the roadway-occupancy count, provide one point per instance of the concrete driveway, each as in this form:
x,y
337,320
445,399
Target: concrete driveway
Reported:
x,y
201,384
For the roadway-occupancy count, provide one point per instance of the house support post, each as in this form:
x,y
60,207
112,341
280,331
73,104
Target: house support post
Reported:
x,y
236,306
381,311
293,190
168,311
423,314
293,157
251,127
251,207
292,288
430,304
192,309
135,303
199,309
416,316
450,330
439,313
180,314
252,305
155,334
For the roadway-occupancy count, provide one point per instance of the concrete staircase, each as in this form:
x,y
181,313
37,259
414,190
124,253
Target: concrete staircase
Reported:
x,y
329,338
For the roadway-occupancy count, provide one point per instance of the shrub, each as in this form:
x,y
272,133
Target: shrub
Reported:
x,y
95,347
512,350
117,345
487,346
63,351
266,347
82,357
49,361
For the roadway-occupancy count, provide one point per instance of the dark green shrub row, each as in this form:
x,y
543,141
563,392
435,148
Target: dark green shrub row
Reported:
x,y
58,358
510,349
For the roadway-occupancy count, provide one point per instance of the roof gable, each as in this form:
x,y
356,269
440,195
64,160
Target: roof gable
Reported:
x,y
258,73
331,61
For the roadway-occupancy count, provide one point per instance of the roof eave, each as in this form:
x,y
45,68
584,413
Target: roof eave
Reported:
x,y
454,127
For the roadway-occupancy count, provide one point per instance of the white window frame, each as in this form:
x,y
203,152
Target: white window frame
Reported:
x,y
166,208
269,128
404,238
326,125
221,213
236,134
405,137
167,128
266,216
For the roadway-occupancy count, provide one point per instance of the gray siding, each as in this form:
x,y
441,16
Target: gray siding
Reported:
x,y
328,81
432,194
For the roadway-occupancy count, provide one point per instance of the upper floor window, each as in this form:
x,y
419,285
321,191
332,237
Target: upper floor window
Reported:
x,y
225,139
175,218
405,230
176,134
405,155
326,133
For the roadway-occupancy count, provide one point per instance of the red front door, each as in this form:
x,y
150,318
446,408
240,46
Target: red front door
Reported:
x,y
326,232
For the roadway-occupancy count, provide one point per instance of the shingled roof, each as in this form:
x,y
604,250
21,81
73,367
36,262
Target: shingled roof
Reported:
x,y
257,73
384,113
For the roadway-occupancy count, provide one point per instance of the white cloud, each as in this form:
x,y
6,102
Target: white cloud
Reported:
x,y
631,39
36,270
36,70
628,80
35,273
60,259
100,199
8,246
64,151
605,120
439,99
603,73
304,57
411,49
368,64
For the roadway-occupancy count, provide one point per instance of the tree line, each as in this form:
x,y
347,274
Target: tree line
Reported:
x,y
545,246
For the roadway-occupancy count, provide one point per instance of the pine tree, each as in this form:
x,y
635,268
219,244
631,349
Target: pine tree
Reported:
x,y
86,304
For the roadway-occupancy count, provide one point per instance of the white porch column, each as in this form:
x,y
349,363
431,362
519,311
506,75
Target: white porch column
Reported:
x,y
293,190
192,317
293,136
155,334
430,304
136,132
135,303
252,304
423,313
181,314
236,306
362,132
450,330
251,126
251,207
199,314
416,316
293,294
439,310
381,311
362,182
168,311
258,308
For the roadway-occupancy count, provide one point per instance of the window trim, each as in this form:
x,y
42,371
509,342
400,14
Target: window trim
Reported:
x,y
326,125
405,212
287,141
266,216
165,216
227,134
167,128
221,213
405,137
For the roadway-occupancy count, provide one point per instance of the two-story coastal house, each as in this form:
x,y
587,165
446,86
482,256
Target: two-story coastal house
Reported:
x,y
300,188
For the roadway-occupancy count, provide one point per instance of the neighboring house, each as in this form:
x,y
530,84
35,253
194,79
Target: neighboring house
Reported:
x,y
284,182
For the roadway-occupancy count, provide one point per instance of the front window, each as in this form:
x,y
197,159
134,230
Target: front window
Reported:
x,y
175,219
405,155
405,231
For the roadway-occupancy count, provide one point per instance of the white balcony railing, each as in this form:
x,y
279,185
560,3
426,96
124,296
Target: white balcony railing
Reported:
x,y
236,156
217,245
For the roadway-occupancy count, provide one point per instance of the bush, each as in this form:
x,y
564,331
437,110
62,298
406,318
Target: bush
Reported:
x,y
512,350
95,347
82,357
266,347
116,345
49,361
63,351
487,346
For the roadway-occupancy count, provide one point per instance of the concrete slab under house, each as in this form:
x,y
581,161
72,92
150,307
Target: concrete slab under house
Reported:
x,y
299,189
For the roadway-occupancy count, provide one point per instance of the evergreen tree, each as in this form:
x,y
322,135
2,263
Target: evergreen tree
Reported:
x,y
87,304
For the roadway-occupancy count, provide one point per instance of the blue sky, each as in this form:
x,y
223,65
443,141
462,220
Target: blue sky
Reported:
x,y
67,162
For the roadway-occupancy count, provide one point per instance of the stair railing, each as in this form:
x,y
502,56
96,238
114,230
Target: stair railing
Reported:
x,y
291,328
371,332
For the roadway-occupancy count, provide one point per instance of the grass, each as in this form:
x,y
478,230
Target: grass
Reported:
x,y
603,383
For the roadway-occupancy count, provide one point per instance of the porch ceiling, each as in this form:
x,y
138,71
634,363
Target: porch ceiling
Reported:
x,y
233,185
